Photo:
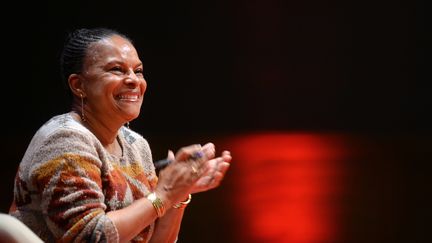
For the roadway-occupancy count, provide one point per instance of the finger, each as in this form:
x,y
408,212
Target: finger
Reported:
x,y
194,170
202,167
223,167
200,159
205,181
212,165
206,167
186,152
170,155
209,150
215,180
226,155
226,152
203,158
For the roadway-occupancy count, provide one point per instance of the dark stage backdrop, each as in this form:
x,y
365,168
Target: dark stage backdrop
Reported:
x,y
311,75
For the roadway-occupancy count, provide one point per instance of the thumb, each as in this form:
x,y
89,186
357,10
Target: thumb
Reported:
x,y
170,155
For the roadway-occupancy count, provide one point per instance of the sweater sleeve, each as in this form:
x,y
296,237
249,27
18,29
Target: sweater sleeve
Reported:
x,y
66,173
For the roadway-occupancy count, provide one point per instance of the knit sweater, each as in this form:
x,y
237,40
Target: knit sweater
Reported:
x,y
67,182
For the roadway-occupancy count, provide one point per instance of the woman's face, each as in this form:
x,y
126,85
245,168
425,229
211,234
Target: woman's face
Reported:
x,y
113,80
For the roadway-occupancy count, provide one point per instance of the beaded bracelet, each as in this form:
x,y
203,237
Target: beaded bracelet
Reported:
x,y
157,204
183,204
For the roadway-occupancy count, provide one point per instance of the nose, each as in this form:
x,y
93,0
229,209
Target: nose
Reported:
x,y
132,78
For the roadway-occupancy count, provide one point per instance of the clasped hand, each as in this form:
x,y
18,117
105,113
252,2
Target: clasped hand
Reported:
x,y
193,169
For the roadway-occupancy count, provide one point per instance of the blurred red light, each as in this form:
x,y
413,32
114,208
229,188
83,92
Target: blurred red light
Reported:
x,y
287,186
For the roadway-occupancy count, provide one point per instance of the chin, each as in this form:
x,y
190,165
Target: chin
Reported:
x,y
132,116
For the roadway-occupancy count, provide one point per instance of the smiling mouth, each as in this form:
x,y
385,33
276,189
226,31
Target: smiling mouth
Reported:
x,y
129,98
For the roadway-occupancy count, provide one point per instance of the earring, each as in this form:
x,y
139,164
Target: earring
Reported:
x,y
127,124
82,108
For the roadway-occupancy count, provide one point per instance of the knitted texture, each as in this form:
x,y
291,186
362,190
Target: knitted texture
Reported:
x,y
67,182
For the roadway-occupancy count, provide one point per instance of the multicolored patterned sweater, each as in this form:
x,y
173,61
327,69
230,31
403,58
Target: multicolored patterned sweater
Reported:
x,y
67,182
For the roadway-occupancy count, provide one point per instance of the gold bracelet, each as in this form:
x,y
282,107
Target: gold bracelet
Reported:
x,y
183,204
157,204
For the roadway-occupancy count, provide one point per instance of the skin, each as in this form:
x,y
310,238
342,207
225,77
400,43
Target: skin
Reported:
x,y
113,86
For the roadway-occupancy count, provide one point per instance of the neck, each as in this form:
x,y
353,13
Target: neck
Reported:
x,y
105,132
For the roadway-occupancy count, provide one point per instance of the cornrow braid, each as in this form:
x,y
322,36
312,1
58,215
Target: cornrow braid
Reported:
x,y
75,48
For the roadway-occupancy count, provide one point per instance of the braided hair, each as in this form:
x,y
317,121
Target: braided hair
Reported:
x,y
75,48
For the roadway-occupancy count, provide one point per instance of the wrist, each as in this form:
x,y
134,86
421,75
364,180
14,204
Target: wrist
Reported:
x,y
157,203
183,204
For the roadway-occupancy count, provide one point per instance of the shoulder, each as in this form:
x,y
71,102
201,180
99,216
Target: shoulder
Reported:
x,y
137,146
63,123
59,141
133,138
61,134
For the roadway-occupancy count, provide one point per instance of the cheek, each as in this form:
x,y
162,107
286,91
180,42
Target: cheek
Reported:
x,y
103,89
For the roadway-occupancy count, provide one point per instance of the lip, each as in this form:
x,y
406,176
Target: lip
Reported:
x,y
128,96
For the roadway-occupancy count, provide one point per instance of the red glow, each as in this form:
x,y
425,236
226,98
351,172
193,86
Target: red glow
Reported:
x,y
287,187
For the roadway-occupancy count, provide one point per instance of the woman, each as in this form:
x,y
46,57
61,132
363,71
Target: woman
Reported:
x,y
86,176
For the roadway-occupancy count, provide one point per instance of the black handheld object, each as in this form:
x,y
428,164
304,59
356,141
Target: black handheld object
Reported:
x,y
160,164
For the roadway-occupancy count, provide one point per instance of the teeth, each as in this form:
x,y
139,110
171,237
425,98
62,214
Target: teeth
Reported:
x,y
128,97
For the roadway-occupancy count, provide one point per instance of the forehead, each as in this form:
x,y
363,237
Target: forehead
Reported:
x,y
111,47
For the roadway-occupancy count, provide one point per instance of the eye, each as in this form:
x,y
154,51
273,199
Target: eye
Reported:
x,y
116,69
139,71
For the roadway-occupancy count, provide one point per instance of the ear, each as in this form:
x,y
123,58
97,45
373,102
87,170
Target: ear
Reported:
x,y
76,85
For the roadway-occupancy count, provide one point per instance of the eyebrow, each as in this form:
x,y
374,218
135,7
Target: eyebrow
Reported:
x,y
120,62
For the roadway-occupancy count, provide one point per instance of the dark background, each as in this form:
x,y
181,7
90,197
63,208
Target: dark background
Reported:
x,y
219,68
